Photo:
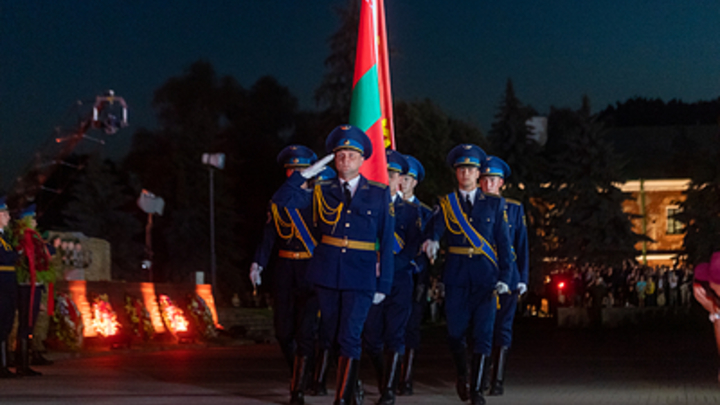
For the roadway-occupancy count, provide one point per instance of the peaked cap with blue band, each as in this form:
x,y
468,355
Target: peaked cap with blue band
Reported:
x,y
3,203
494,166
396,161
30,211
349,137
296,156
326,174
466,154
416,168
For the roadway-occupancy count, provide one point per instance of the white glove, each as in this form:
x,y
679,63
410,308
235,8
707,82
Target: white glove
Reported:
x,y
255,270
317,167
502,288
522,288
378,298
431,247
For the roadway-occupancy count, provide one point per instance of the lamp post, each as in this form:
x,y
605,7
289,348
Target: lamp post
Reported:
x,y
213,161
150,204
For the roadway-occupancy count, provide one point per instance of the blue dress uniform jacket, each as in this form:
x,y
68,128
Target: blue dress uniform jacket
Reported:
x,y
8,286
368,219
387,321
421,281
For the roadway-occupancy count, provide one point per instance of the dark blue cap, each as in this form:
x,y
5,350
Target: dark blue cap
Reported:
x,y
326,174
349,137
494,166
416,168
3,203
30,211
296,156
396,161
466,154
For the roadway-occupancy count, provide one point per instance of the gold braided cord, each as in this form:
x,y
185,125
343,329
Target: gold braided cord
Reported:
x,y
279,223
449,216
5,245
323,209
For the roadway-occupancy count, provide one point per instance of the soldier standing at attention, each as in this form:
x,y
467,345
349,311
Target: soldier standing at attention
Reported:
x,y
494,172
421,280
8,289
352,266
386,321
477,267
296,307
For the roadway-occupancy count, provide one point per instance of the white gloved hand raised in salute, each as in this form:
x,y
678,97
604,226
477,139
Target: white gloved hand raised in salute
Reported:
x,y
255,270
312,171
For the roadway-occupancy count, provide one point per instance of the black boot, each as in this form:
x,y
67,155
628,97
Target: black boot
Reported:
x,y
347,374
297,385
319,387
22,359
377,362
486,381
497,387
405,386
393,362
4,371
478,368
461,385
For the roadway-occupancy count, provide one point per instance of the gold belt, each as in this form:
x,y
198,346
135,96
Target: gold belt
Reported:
x,y
289,254
457,250
7,268
346,243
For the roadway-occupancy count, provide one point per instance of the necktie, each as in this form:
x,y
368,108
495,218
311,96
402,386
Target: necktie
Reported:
x,y
348,194
468,204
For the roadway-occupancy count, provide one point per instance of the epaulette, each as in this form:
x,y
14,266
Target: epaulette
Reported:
x,y
511,201
423,205
492,195
413,203
377,184
323,182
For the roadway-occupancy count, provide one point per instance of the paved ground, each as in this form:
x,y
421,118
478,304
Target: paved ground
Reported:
x,y
667,363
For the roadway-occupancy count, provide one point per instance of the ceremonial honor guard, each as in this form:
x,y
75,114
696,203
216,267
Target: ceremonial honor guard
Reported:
x,y
352,266
477,266
409,181
295,303
494,172
8,289
386,321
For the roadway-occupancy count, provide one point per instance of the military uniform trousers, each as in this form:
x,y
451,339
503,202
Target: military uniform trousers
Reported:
x,y
504,319
8,302
387,321
417,311
470,310
25,326
295,307
342,317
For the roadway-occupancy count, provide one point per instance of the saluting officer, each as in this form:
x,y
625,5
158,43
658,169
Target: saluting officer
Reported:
x,y
295,309
409,181
8,289
386,321
477,266
352,266
494,172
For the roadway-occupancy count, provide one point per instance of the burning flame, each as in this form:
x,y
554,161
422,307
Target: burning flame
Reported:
x,y
173,315
104,320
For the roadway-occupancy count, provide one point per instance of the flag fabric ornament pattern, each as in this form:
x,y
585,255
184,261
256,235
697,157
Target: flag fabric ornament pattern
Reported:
x,y
371,104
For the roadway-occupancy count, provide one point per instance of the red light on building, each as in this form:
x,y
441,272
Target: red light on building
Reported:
x,y
561,285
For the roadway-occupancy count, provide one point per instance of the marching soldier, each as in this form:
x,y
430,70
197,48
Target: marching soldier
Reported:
x,y
386,321
409,181
296,307
8,289
352,266
494,173
477,266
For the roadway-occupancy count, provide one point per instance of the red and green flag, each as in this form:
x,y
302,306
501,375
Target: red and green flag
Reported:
x,y
371,105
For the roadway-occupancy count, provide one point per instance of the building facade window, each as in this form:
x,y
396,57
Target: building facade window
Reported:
x,y
674,226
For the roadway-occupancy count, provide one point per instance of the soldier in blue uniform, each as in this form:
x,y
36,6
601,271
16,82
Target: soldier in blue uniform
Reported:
x,y
295,303
352,266
477,266
8,289
386,321
494,172
409,181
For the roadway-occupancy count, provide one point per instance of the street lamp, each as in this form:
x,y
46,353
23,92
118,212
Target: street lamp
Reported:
x,y
150,204
213,161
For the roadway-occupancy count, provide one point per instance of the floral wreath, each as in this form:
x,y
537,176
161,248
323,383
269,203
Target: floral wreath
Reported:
x,y
139,318
104,318
68,322
202,316
172,316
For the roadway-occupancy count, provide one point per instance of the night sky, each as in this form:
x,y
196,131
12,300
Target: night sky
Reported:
x,y
56,52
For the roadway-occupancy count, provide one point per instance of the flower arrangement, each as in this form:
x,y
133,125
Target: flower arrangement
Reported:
x,y
35,264
68,322
173,316
202,316
104,319
139,318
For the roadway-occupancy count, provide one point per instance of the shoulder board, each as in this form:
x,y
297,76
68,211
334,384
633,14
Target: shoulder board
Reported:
x,y
423,205
511,201
377,184
492,195
323,182
413,203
